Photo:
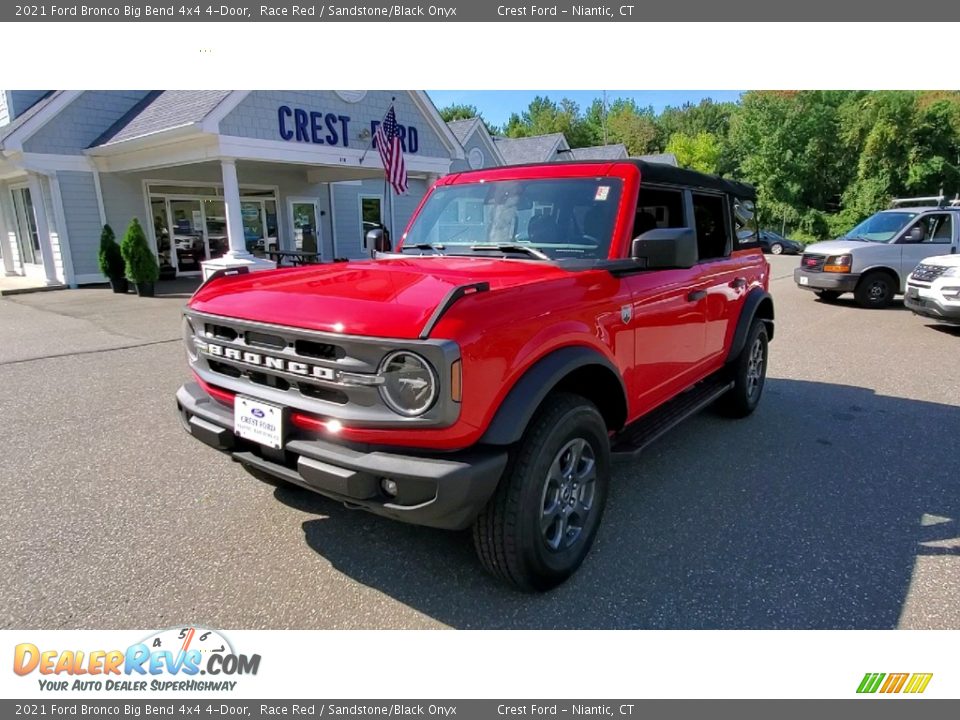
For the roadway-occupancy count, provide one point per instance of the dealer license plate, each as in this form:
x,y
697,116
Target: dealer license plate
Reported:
x,y
804,280
258,421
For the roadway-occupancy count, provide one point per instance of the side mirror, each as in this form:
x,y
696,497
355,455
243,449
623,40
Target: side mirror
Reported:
x,y
377,240
664,248
916,234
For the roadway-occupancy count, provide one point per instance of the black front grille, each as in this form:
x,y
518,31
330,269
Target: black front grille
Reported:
x,y
221,332
928,273
258,339
812,263
323,351
224,368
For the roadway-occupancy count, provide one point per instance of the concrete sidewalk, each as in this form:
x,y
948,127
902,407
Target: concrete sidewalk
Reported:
x,y
89,319
17,285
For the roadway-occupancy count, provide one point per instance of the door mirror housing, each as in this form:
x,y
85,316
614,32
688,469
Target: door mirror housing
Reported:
x,y
664,248
916,234
377,240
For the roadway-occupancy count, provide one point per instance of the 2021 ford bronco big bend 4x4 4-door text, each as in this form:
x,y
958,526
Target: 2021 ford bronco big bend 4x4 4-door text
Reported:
x,y
533,323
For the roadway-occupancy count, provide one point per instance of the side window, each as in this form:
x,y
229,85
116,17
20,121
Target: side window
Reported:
x,y
937,228
710,221
941,230
658,208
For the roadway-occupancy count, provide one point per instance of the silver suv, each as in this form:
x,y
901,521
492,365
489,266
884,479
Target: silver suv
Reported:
x,y
874,259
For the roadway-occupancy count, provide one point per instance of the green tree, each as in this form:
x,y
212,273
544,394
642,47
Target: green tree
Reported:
x,y
141,264
623,121
544,116
109,257
697,152
458,112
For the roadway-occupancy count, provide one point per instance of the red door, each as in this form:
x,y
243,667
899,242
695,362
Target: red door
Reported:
x,y
668,316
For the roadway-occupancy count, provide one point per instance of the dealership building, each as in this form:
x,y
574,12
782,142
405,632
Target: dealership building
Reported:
x,y
221,174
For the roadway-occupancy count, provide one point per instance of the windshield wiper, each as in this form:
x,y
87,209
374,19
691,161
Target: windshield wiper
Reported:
x,y
511,247
436,247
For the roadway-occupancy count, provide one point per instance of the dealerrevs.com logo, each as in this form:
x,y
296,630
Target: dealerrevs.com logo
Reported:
x,y
171,659
909,683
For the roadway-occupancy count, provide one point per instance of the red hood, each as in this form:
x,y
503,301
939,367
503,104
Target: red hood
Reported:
x,y
381,298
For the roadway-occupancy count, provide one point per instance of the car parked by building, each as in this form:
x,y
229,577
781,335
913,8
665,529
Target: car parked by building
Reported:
x,y
873,259
533,324
771,242
933,289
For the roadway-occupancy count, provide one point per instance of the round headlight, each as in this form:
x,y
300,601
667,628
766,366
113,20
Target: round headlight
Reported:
x,y
409,383
189,340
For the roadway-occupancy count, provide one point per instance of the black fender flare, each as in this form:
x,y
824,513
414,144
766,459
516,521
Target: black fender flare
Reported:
x,y
755,298
518,407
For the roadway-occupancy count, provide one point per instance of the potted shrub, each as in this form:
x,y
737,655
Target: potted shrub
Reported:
x,y
111,261
141,266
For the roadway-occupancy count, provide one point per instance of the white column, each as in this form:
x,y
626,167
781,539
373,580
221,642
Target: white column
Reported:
x,y
7,237
231,198
237,255
43,229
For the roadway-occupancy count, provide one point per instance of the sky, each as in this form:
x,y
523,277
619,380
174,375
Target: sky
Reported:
x,y
497,105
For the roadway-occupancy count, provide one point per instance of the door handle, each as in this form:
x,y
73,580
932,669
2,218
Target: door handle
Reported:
x,y
738,283
697,295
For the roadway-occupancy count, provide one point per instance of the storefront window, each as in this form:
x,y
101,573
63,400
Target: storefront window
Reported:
x,y
215,212
252,225
187,219
190,223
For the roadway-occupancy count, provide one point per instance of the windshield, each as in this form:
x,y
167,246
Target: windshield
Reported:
x,y
881,227
556,219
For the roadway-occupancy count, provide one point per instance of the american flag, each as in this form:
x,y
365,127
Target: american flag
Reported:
x,y
387,140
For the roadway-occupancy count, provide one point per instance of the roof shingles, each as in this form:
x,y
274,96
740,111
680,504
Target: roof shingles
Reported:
x,y
163,110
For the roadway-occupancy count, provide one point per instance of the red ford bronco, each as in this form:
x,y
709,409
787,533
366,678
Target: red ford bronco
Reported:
x,y
533,324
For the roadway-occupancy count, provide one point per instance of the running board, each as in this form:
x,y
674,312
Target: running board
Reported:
x,y
633,439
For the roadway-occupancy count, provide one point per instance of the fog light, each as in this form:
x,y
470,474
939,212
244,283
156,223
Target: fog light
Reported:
x,y
388,486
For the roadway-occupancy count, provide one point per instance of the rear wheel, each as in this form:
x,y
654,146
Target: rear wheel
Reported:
x,y
875,290
776,248
541,522
749,373
827,295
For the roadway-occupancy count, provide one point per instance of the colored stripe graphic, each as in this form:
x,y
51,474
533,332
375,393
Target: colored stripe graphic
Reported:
x,y
918,682
894,683
870,682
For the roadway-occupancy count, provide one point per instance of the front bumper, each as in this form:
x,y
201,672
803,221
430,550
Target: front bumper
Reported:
x,y
443,490
931,307
837,282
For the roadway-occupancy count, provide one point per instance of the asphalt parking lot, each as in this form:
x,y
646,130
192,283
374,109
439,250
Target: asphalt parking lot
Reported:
x,y
835,505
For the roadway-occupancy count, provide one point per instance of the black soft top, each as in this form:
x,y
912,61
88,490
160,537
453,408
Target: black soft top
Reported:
x,y
662,173
653,172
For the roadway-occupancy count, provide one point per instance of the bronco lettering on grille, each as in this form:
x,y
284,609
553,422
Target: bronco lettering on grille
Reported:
x,y
269,362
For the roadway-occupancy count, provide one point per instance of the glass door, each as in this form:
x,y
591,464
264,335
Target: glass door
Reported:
x,y
28,239
304,226
161,232
189,242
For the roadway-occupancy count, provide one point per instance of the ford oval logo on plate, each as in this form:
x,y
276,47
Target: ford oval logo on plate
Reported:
x,y
257,412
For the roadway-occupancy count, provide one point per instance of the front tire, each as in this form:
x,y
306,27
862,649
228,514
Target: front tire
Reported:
x,y
749,373
541,522
875,290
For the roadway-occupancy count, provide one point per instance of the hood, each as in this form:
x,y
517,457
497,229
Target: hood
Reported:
x,y
387,297
942,260
839,246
